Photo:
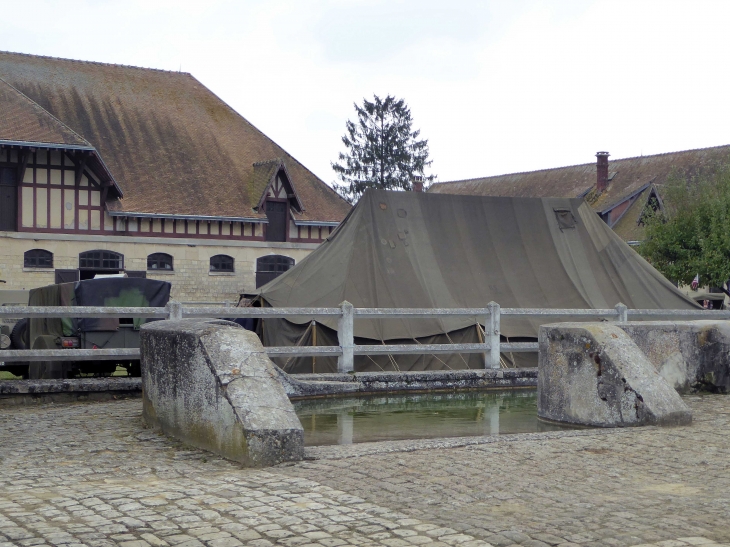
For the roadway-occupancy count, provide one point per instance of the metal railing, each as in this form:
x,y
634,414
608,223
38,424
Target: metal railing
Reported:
x,y
346,315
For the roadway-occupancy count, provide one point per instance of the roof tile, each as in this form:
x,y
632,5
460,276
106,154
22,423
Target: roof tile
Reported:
x,y
172,145
24,121
630,175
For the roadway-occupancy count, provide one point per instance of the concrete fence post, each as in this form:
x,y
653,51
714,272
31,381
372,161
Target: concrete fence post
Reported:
x,y
174,310
346,338
622,311
491,335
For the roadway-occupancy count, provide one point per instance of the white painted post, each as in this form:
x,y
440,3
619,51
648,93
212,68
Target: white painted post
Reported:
x,y
622,312
491,335
174,310
346,338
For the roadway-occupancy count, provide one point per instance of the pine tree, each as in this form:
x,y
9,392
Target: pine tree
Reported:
x,y
383,151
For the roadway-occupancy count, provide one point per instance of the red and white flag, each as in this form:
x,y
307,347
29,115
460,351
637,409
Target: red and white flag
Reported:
x,y
696,282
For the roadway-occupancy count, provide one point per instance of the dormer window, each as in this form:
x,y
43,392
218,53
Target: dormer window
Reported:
x,y
278,197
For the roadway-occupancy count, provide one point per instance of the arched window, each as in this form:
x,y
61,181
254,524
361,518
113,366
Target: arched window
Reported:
x,y
38,258
101,260
221,263
159,261
270,267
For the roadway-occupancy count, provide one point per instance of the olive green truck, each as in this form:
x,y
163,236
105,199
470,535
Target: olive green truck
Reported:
x,y
79,333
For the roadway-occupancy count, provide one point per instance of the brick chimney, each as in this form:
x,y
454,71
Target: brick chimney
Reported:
x,y
601,171
417,183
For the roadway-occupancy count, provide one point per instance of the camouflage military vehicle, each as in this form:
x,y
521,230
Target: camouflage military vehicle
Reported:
x,y
13,332
89,333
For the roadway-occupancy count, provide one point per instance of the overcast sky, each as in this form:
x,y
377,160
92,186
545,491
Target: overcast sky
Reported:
x,y
496,87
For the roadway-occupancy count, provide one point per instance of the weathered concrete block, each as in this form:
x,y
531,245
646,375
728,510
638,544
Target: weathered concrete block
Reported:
x,y
594,374
210,384
689,355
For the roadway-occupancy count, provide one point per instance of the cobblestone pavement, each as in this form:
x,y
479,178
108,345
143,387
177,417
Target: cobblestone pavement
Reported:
x,y
90,474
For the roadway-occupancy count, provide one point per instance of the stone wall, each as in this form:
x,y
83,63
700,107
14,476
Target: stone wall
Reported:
x,y
689,355
191,279
594,374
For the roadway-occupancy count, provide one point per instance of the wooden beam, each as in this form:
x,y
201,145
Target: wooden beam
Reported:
x,y
80,163
25,156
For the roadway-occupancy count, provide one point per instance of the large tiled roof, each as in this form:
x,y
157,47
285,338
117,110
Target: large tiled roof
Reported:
x,y
627,176
171,144
24,121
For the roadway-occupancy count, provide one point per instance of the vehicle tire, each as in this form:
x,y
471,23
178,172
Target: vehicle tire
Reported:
x,y
47,370
19,336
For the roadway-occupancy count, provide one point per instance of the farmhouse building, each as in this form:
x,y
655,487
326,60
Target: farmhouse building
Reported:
x,y
620,191
107,169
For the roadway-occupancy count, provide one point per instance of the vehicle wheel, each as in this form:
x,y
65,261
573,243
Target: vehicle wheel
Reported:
x,y
47,370
19,335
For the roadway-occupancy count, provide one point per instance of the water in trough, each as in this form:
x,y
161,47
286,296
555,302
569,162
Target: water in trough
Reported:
x,y
419,416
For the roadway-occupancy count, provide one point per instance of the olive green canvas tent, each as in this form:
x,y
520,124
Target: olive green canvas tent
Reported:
x,y
420,250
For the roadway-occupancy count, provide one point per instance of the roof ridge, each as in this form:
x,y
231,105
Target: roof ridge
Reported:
x,y
581,164
673,152
16,90
513,173
93,62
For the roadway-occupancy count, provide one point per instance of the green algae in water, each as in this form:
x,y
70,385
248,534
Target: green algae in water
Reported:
x,y
419,416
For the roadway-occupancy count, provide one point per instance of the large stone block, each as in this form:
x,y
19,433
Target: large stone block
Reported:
x,y
689,355
210,384
594,374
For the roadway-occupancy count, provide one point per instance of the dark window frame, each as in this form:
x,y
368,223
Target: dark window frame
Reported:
x,y
270,267
284,215
101,259
274,263
37,258
159,262
9,197
222,263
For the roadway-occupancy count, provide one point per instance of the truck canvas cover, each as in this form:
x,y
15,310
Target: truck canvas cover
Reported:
x,y
119,291
420,250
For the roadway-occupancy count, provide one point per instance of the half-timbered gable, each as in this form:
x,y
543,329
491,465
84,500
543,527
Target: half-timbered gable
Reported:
x,y
146,164
57,192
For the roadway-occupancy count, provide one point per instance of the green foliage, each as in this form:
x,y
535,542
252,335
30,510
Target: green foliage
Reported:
x,y
692,235
383,151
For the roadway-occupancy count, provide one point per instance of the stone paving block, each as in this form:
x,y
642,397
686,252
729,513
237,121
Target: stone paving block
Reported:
x,y
154,541
224,542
